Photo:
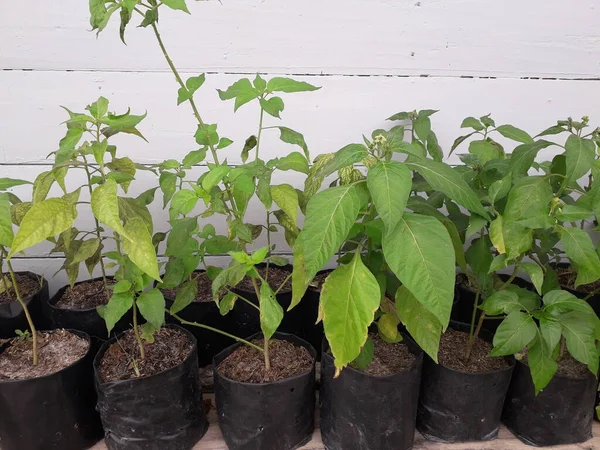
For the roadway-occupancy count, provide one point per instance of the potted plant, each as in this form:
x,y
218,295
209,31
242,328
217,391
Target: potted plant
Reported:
x,y
45,376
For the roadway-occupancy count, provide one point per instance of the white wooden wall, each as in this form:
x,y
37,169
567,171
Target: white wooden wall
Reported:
x,y
528,63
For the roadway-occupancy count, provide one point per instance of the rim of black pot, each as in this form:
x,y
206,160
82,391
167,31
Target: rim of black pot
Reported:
x,y
56,297
108,343
558,375
75,332
288,268
31,275
488,336
412,348
277,335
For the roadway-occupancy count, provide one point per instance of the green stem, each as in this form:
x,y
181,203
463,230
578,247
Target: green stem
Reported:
x,y
283,284
244,299
200,325
268,243
265,340
136,331
260,128
474,315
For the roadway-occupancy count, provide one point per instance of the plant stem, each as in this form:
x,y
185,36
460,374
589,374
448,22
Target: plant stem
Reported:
x,y
561,353
474,315
260,128
283,284
200,325
136,331
474,337
25,309
265,340
244,299
268,243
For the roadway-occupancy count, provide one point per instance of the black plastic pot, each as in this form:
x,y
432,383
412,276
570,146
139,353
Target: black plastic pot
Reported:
x,y
365,412
562,413
459,406
52,412
300,321
159,412
12,316
268,416
210,343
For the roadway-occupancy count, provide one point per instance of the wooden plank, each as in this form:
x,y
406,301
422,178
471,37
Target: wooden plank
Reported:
x,y
378,37
338,114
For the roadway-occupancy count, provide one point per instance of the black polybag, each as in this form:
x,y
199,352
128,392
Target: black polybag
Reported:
x,y
52,412
365,412
459,406
562,413
164,411
12,316
267,416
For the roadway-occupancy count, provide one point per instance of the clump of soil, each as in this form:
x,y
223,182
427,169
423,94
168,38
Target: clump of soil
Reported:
x,y
246,364
27,287
453,345
567,277
57,350
567,366
204,289
277,275
319,280
121,361
86,295
389,358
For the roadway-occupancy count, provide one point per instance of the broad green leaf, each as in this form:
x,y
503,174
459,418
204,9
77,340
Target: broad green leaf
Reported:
x,y
86,250
294,161
515,332
479,256
229,277
523,157
286,197
580,249
476,223
183,202
551,330
176,4
7,183
290,136
6,230
346,156
47,219
18,211
499,262
271,312
42,185
390,183
529,198
572,213
105,206
121,287
472,122
509,238
152,306
420,253
206,134
580,154
514,133
536,274
329,216
123,166
485,150
243,92
272,106
579,331
214,177
139,247
500,188
558,302
422,324
281,84
542,365
422,126
501,302
457,243
131,207
364,359
227,303
194,157
349,299
191,85
185,295
116,308
443,178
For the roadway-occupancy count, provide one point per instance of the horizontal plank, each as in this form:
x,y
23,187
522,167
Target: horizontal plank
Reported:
x,y
337,114
540,38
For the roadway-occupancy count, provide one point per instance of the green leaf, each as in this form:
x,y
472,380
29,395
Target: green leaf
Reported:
x,y
271,312
184,201
541,363
523,157
387,325
514,133
443,178
229,277
185,295
294,161
207,135
138,246
152,306
364,359
485,150
476,223
529,198
349,299
579,331
286,197
580,154
7,183
558,302
150,17
509,238
243,92
6,230
121,287
551,330
42,185
86,250
514,334
272,106
390,183
457,243
227,303
281,84
191,86
501,302
123,122
168,185
116,308
580,249
329,216
125,18
214,177
536,274
194,157
420,253
472,122
500,188
422,127
572,213
176,4
422,324
479,256
346,156
290,136
47,219
105,206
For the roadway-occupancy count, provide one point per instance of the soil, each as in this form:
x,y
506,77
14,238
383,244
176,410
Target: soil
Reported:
x,y
204,289
277,275
567,277
57,350
121,361
27,287
568,366
453,345
319,280
389,358
247,365
86,295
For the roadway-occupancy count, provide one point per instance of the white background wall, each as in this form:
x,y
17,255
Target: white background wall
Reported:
x,y
528,63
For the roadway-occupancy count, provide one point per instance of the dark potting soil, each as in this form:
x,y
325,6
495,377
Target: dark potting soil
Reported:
x,y
567,366
247,364
277,276
86,295
453,345
204,289
121,361
57,350
567,277
27,286
388,358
